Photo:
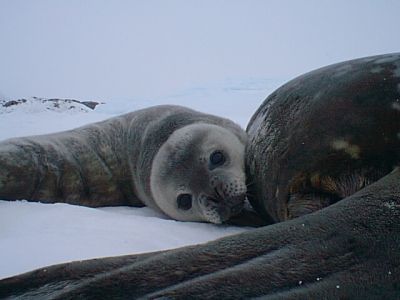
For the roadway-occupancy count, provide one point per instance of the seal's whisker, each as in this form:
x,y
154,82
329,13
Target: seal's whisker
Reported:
x,y
249,183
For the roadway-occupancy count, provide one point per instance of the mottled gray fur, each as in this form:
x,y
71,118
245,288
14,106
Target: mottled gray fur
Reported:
x,y
110,162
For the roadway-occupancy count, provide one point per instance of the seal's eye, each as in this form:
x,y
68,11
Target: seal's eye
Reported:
x,y
217,158
184,201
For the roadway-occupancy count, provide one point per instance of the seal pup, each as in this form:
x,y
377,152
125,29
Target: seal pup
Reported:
x,y
186,164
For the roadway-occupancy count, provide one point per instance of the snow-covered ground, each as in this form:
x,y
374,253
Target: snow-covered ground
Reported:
x,y
33,235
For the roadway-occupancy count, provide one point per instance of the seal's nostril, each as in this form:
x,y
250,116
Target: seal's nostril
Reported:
x,y
215,200
219,190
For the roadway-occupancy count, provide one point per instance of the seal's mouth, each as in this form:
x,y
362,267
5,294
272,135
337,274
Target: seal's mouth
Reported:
x,y
217,209
236,209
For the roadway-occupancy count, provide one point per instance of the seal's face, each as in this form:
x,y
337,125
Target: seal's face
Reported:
x,y
198,174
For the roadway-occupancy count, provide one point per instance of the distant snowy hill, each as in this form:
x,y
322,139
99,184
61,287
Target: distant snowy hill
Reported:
x,y
36,104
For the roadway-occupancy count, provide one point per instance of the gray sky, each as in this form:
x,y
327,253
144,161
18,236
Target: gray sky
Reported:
x,y
93,49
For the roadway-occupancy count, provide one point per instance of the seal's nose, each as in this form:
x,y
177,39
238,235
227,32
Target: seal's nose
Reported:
x,y
219,191
228,188
221,188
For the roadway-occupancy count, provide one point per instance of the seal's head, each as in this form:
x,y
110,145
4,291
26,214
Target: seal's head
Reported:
x,y
198,174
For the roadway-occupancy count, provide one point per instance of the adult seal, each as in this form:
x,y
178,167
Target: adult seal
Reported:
x,y
186,164
348,250
324,136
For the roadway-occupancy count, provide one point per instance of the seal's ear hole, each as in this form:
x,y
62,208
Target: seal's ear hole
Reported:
x,y
217,158
184,201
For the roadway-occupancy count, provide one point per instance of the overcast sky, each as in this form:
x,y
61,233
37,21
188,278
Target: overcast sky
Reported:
x,y
92,49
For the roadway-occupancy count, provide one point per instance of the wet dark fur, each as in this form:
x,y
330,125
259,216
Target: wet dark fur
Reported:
x,y
324,135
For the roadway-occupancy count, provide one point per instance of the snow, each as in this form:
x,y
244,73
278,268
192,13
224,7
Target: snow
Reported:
x,y
34,235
